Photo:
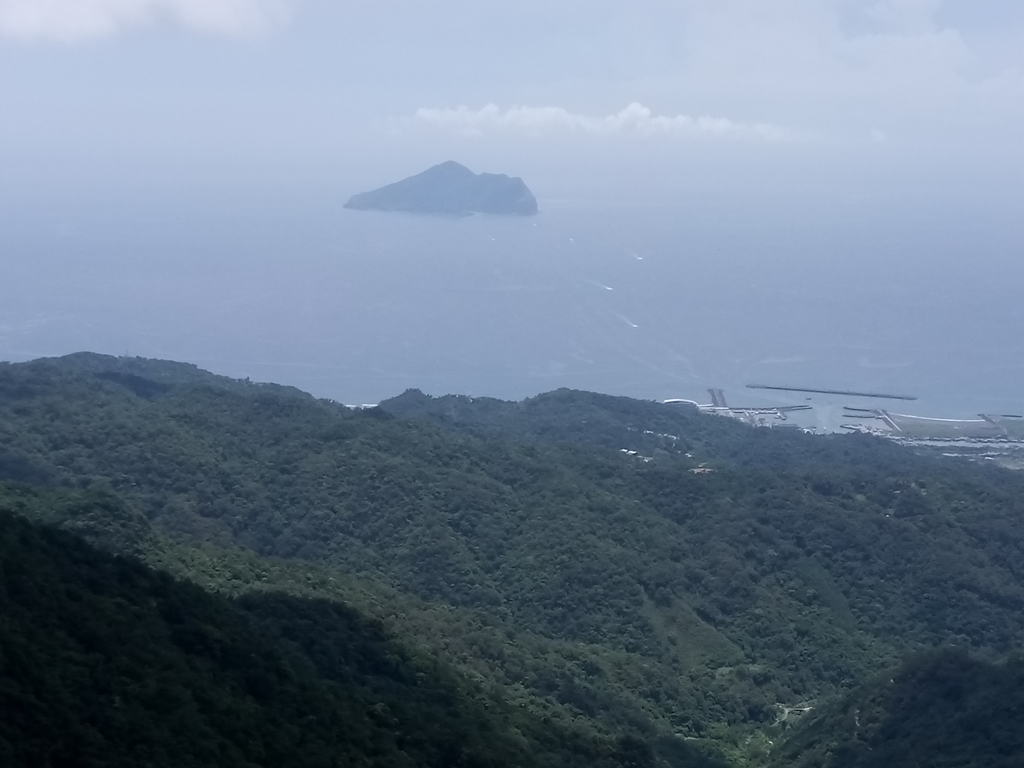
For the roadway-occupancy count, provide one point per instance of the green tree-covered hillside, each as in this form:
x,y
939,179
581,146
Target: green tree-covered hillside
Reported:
x,y
520,543
941,709
104,662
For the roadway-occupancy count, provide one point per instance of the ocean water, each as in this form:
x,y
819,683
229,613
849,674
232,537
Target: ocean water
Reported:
x,y
648,302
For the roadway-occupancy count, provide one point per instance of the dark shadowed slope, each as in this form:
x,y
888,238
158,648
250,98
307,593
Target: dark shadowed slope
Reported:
x,y
941,710
104,662
450,189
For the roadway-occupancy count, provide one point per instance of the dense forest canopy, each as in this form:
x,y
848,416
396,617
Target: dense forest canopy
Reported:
x,y
105,662
614,591
941,709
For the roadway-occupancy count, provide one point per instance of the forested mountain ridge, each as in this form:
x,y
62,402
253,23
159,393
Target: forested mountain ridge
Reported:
x,y
653,429
520,543
104,662
940,709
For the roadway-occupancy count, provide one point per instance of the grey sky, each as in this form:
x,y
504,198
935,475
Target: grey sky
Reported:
x,y
902,99
826,190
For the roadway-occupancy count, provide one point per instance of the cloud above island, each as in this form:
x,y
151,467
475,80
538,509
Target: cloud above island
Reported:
x,y
75,20
635,120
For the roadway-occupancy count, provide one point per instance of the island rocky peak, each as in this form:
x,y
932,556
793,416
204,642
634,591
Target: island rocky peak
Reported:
x,y
450,189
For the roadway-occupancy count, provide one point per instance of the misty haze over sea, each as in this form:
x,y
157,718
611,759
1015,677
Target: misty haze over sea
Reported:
x,y
821,194
650,302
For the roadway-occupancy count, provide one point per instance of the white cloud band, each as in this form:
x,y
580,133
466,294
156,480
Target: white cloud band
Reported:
x,y
635,120
72,20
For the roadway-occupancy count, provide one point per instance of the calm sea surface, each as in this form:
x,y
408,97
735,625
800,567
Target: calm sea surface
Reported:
x,y
651,303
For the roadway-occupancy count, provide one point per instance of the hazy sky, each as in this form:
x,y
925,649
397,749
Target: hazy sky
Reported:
x,y
907,102
833,189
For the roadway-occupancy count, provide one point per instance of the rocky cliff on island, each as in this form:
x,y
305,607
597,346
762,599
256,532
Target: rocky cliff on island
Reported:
x,y
450,189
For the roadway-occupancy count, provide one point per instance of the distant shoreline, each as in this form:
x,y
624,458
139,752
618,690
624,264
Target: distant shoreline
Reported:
x,y
848,393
